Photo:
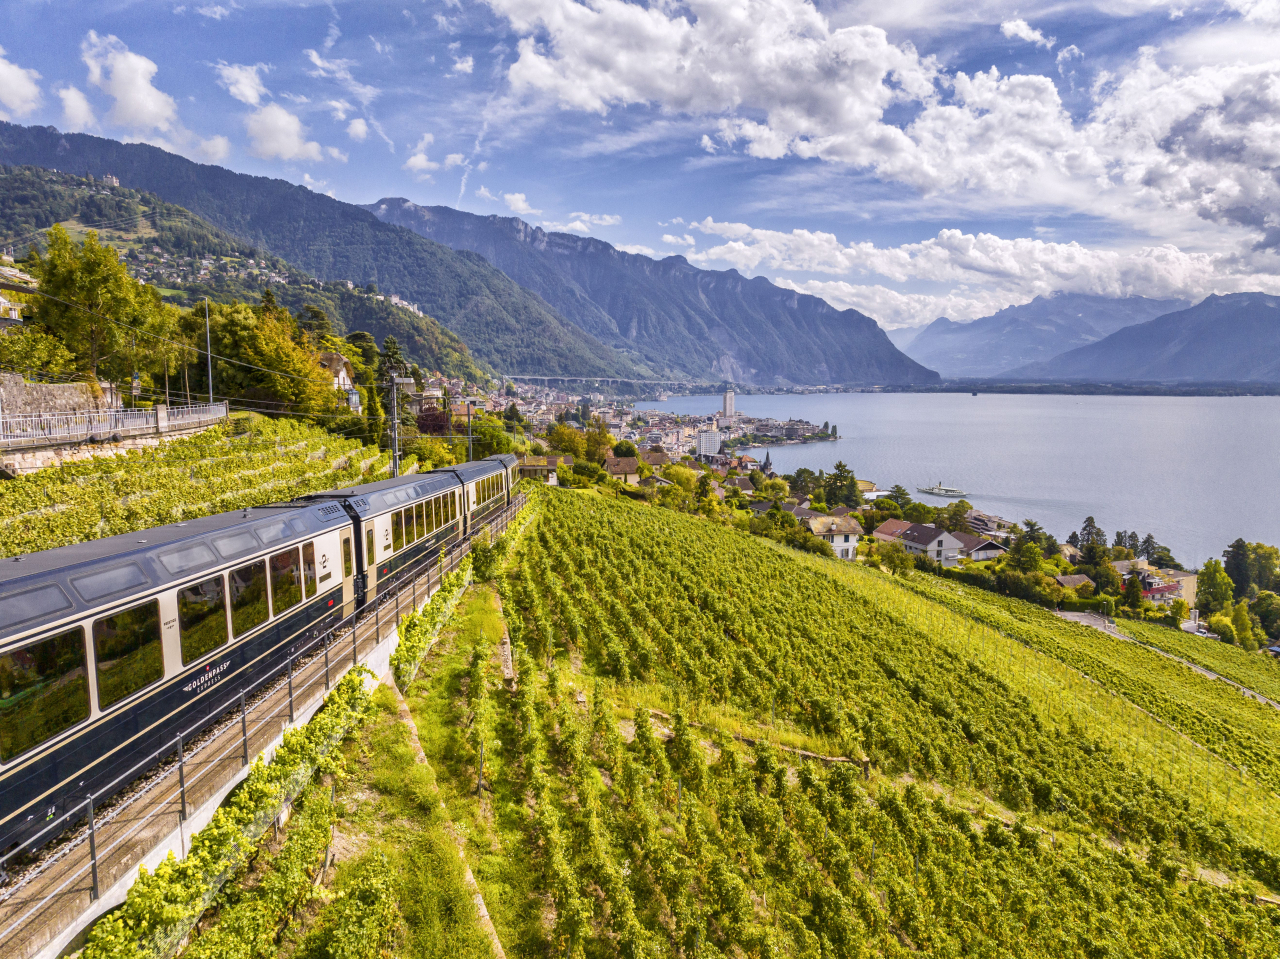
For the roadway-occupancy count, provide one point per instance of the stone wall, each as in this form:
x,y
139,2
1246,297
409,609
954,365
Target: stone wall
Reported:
x,y
18,396
15,463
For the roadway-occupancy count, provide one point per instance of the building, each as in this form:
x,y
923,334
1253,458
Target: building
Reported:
x,y
978,548
890,529
624,468
1188,583
543,468
985,524
728,410
10,312
1161,586
656,456
708,443
841,532
1075,581
343,374
939,545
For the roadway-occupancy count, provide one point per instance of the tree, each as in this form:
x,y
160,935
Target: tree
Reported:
x,y
1239,567
315,321
1025,558
1090,532
1214,588
1147,548
1243,626
1267,608
598,441
1180,609
757,479
1131,542
774,488
1221,625
704,486
900,496
1133,591
894,557
954,519
625,448
918,513
567,440
682,476
1265,566
31,349
803,482
1074,539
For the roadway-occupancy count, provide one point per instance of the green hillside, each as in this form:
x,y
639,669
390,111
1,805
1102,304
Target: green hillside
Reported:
x,y
187,259
504,324
648,796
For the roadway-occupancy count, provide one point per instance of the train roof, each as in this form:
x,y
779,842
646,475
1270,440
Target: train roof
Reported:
x,y
56,582
371,499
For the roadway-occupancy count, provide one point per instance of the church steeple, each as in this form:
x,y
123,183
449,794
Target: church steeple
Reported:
x,y
768,464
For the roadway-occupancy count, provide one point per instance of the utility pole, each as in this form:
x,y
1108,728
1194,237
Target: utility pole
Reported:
x,y
208,349
470,403
395,424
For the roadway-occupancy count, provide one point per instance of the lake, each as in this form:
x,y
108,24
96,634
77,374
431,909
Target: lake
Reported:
x,y
1197,472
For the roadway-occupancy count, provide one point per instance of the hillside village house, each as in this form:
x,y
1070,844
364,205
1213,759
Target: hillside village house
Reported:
x,y
841,532
978,548
339,367
890,529
918,539
624,468
1161,586
543,468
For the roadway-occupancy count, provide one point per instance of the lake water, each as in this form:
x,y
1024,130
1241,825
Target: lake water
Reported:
x,y
1195,471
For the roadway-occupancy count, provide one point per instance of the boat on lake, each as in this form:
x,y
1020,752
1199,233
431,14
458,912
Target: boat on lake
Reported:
x,y
941,490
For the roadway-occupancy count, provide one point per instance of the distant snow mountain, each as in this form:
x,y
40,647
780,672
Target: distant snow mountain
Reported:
x,y
1030,333
1223,339
708,324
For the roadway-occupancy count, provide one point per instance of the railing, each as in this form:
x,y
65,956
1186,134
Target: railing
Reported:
x,y
202,758
52,429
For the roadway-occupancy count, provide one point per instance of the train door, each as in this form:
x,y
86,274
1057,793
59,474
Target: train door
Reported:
x,y
370,562
348,573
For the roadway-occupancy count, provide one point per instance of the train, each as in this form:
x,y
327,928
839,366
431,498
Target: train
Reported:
x,y
111,649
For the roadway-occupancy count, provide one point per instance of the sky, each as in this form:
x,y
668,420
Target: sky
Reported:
x,y
910,160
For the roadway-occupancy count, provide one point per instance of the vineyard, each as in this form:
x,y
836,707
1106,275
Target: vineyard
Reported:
x,y
252,462
647,765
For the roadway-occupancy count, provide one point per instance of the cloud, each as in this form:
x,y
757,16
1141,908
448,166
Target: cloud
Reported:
x,y
126,77
418,163
453,160
578,222
1021,30
463,65
331,37
636,248
358,129
242,81
340,70
983,269
213,149
1161,147
484,194
685,240
338,108
335,154
77,114
517,203
1067,54
276,134
708,144
213,11
19,92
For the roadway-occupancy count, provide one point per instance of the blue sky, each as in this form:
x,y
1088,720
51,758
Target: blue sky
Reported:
x,y
928,159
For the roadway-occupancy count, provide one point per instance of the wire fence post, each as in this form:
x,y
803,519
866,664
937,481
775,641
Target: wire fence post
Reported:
x,y
326,663
355,655
93,850
291,687
182,778
244,729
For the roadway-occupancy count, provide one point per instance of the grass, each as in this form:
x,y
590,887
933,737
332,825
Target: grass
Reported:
x,y
495,823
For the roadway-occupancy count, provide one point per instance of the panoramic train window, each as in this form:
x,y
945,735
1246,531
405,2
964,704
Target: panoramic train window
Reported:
x,y
286,581
433,514
410,525
347,566
248,597
309,568
202,618
127,648
420,513
368,551
397,533
44,689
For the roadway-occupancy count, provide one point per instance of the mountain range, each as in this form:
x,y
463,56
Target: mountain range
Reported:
x,y
505,325
1234,338
706,324
1030,333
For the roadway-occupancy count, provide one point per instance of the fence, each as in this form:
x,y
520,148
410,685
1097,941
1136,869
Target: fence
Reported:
x,y
197,765
52,429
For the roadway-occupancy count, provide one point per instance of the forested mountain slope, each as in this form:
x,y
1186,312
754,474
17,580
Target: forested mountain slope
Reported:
x,y
1028,333
708,324
504,325
188,258
1233,338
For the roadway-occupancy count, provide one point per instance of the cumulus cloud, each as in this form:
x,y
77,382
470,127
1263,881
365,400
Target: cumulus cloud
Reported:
x,y
358,129
213,11
636,248
484,194
418,163
982,269
580,222
242,81
1067,54
19,92
463,65
214,149
1162,146
1021,30
126,77
672,240
518,203
276,134
77,113
453,160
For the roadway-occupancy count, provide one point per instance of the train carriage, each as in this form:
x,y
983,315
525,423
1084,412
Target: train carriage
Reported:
x,y
109,649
